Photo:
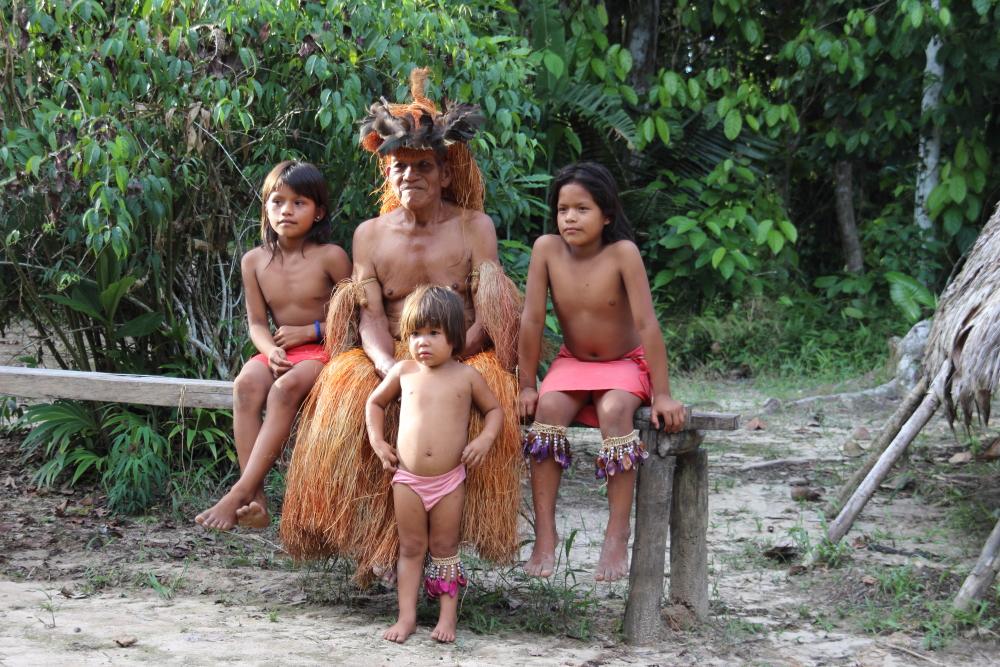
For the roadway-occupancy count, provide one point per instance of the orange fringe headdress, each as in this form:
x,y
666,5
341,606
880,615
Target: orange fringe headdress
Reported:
x,y
397,128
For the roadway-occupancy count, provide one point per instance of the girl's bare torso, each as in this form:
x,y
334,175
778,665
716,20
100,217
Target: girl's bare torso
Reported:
x,y
591,303
435,404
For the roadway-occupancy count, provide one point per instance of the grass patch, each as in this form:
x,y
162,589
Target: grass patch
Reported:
x,y
506,599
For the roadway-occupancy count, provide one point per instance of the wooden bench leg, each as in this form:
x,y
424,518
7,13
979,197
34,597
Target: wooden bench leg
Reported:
x,y
645,581
688,531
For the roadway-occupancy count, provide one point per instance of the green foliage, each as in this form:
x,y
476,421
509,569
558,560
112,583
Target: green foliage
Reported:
x,y
124,450
135,137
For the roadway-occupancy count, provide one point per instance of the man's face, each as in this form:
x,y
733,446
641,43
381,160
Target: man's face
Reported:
x,y
418,178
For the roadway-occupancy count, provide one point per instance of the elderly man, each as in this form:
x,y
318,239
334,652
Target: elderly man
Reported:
x,y
432,229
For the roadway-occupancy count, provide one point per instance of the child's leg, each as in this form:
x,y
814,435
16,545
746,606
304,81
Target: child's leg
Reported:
x,y
250,391
283,401
445,525
411,522
615,413
555,408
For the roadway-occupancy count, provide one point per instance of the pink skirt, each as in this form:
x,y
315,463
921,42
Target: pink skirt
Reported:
x,y
567,373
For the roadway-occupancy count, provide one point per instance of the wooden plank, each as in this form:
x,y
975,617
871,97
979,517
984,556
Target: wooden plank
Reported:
x,y
50,384
643,624
688,534
696,420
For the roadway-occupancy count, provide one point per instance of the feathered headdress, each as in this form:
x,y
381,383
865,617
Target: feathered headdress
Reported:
x,y
395,128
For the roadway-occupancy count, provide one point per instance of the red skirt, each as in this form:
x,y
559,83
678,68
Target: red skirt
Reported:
x,y
567,373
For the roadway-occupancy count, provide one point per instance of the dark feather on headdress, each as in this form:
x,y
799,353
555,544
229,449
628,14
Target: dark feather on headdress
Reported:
x,y
460,122
389,128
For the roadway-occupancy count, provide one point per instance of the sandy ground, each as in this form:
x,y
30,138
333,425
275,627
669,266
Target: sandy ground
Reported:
x,y
74,578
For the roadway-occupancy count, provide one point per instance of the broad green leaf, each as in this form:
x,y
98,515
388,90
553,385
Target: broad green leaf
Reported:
x,y
143,325
733,124
957,188
726,267
31,167
717,256
697,238
775,241
121,178
554,63
788,229
663,130
682,223
662,278
851,311
112,295
763,229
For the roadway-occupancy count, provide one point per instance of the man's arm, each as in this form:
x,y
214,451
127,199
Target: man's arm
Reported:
x,y
376,340
387,391
484,249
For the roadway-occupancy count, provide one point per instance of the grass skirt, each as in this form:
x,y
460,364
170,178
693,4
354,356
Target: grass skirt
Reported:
x,y
338,499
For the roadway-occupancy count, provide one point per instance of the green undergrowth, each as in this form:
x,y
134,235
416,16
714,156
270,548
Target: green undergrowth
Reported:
x,y
779,344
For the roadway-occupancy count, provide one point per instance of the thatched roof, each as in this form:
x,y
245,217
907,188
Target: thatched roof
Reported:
x,y
966,329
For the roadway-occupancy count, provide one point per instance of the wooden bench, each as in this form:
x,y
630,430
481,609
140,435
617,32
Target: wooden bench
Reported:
x,y
671,492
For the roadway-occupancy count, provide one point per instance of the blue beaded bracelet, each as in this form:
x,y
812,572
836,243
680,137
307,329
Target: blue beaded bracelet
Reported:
x,y
319,332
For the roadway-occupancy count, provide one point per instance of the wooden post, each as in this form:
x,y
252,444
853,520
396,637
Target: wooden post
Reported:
x,y
983,573
844,521
688,533
652,520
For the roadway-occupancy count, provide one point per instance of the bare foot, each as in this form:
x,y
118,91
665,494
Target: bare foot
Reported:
x,y
400,632
444,631
254,515
543,557
222,515
613,563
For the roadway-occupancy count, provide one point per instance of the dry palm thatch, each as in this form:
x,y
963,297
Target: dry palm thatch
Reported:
x,y
966,330
963,358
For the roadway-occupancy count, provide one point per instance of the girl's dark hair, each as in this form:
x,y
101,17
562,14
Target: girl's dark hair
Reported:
x,y
434,306
304,180
598,181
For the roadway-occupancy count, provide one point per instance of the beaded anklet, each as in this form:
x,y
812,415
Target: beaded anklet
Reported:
x,y
544,440
444,576
620,453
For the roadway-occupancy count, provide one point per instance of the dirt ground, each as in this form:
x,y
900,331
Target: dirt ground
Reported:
x,y
76,580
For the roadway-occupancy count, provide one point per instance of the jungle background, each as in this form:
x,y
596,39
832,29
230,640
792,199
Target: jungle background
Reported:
x,y
802,177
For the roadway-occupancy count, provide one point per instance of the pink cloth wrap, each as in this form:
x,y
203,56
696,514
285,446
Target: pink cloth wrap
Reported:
x,y
431,489
304,352
567,373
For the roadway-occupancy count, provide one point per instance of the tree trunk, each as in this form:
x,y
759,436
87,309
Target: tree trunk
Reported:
x,y
636,25
930,133
643,27
844,201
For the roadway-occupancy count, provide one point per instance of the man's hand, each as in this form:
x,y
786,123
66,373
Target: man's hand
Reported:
x,y
386,453
278,362
384,366
290,336
475,452
667,411
526,402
